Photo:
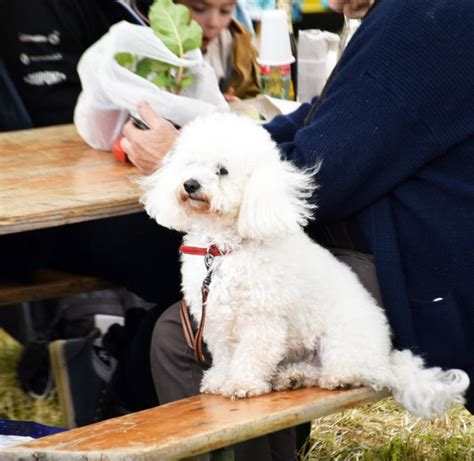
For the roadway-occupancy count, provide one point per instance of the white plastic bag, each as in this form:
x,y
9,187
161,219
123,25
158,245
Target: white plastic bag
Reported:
x,y
110,92
317,56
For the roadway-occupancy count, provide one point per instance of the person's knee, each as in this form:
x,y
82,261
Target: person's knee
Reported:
x,y
176,374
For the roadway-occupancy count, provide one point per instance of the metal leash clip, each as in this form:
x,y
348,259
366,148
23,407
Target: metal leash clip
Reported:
x,y
208,260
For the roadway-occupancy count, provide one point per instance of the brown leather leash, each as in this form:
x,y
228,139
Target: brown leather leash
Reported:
x,y
195,340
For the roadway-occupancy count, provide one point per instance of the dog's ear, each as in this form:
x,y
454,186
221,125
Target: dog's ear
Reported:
x,y
160,199
276,201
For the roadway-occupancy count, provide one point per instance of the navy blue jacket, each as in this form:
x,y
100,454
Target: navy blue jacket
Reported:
x,y
396,136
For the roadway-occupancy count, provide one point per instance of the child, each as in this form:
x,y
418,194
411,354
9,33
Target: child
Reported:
x,y
227,47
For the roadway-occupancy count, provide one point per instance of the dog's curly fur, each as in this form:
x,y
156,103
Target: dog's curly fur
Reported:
x,y
282,311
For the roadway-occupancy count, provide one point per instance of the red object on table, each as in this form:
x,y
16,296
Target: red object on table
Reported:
x,y
119,154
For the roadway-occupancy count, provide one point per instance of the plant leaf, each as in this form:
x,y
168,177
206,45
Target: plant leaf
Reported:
x,y
158,66
162,81
144,67
172,24
125,59
187,81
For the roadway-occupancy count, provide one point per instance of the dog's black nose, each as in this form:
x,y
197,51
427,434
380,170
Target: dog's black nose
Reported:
x,y
191,186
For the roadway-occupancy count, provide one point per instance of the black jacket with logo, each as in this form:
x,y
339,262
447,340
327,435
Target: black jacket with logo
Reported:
x,y
42,41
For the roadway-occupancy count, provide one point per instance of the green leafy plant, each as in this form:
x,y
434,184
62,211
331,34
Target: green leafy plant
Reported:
x,y
173,25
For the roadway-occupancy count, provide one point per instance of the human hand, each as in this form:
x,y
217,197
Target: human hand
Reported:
x,y
229,95
353,9
146,148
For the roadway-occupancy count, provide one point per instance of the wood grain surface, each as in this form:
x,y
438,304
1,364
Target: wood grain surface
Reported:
x,y
188,427
50,177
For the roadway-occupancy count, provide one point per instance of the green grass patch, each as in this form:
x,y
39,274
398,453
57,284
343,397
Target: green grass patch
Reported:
x,y
14,403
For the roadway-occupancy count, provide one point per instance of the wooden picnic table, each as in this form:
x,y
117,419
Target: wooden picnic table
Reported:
x,y
50,177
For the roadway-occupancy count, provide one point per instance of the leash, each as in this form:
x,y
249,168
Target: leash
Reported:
x,y
195,341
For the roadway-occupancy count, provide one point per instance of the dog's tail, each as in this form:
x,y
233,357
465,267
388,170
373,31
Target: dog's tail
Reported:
x,y
425,391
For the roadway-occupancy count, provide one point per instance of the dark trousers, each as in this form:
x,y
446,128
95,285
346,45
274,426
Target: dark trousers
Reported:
x,y
177,375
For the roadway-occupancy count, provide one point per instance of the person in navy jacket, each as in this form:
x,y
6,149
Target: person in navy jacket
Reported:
x,y
395,132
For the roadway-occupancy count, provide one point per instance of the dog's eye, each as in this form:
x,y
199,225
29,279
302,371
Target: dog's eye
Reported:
x,y
222,170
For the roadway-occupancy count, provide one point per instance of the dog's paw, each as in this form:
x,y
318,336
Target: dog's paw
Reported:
x,y
286,383
212,381
209,389
243,389
295,376
334,382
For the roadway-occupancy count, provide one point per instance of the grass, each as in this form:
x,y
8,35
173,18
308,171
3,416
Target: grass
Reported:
x,y
380,432
14,403
386,432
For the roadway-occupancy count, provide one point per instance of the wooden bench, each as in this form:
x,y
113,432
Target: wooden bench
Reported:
x,y
47,284
183,429
16,314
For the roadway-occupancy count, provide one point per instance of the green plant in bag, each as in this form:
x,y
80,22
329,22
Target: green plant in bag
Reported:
x,y
173,25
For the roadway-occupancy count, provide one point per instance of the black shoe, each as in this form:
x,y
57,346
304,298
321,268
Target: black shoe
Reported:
x,y
82,369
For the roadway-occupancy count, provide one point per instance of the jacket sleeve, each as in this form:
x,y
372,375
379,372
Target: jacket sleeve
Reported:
x,y
368,140
284,127
368,133
244,80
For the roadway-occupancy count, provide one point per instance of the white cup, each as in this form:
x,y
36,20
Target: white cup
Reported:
x,y
275,47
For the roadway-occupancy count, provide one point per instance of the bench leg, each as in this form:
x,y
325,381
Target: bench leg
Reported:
x,y
302,433
17,321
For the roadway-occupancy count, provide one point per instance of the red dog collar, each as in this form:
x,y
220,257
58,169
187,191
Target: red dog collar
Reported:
x,y
199,251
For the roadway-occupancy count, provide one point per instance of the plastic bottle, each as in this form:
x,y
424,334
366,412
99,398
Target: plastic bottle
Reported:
x,y
275,56
275,81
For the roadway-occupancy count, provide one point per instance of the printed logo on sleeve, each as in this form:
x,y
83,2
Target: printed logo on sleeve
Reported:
x,y
53,38
28,59
45,78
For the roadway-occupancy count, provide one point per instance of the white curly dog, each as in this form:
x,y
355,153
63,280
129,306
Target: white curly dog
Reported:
x,y
282,311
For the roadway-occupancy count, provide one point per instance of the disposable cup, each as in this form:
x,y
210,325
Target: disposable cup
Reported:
x,y
275,47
